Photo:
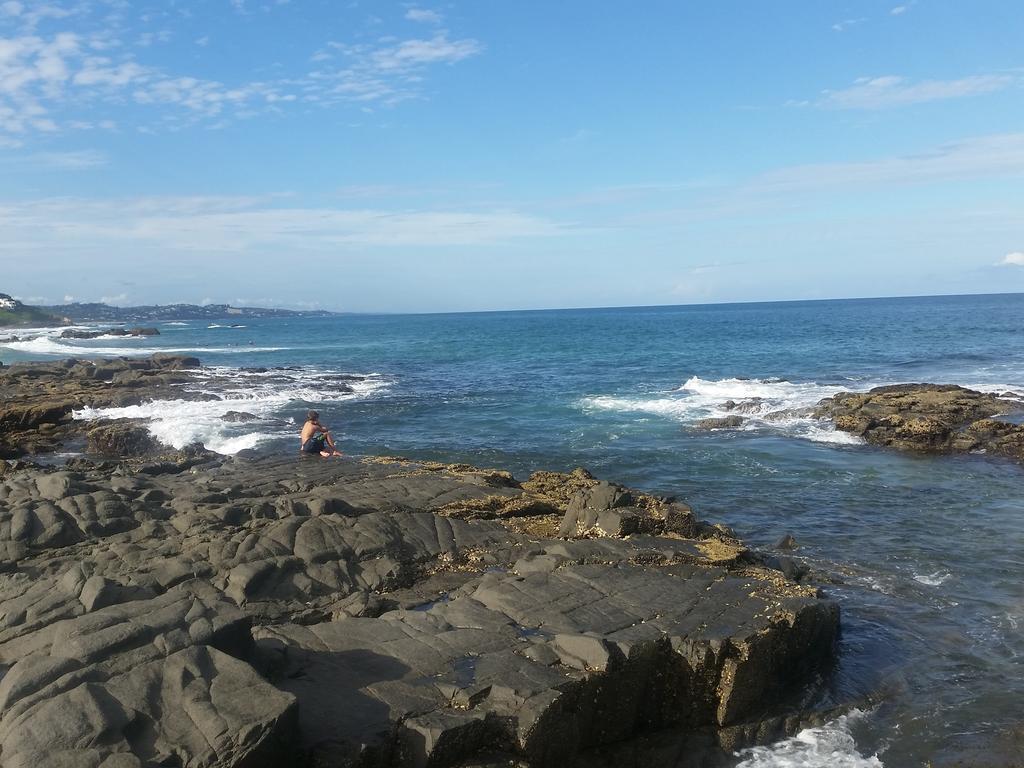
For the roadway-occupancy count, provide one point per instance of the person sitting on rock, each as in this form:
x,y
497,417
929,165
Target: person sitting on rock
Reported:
x,y
316,438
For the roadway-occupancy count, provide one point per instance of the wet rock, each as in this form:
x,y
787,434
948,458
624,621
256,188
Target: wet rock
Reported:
x,y
787,542
175,362
239,416
930,418
40,398
722,422
753,405
127,439
73,333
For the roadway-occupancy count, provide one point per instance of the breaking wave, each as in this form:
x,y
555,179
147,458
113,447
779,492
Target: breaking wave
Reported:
x,y
763,404
264,396
828,746
50,345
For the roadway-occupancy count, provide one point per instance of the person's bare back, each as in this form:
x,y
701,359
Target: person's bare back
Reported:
x,y
316,438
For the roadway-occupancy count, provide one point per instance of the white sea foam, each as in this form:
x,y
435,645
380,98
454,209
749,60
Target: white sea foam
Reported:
x,y
933,579
765,404
179,422
50,345
175,322
829,746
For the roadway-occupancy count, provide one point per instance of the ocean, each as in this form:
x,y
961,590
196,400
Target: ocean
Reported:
x,y
924,553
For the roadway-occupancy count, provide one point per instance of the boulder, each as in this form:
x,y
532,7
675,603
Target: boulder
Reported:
x,y
929,418
174,362
721,422
123,438
239,416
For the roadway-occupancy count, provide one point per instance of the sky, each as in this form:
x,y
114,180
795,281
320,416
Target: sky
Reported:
x,y
480,155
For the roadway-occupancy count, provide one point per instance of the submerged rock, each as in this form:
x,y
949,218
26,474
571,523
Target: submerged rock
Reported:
x,y
721,422
239,416
72,333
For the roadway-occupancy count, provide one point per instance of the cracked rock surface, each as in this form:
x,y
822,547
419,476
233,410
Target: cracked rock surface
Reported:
x,y
282,611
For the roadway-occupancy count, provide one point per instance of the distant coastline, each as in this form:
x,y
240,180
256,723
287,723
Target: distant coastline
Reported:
x,y
14,313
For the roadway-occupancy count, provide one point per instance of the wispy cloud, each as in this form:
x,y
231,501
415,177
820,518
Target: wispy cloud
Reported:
x,y
802,187
845,24
1015,259
76,160
50,67
387,72
229,224
898,10
974,158
423,16
895,91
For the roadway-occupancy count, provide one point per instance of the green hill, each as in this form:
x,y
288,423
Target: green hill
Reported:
x,y
14,313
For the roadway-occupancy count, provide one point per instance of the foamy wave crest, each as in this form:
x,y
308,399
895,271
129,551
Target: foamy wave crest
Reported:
x,y
775,393
48,345
830,746
263,395
932,579
763,404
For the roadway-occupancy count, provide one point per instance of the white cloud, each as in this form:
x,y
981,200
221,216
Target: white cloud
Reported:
x,y
895,91
204,224
1015,259
121,298
389,72
44,74
77,160
979,157
796,188
413,53
423,16
842,26
899,9
69,299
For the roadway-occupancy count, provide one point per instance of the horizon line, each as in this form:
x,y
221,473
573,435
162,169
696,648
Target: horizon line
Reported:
x,y
544,309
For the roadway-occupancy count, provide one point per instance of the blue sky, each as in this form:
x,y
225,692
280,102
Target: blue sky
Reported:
x,y
373,156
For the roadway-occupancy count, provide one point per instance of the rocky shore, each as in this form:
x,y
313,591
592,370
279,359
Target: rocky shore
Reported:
x,y
184,608
931,418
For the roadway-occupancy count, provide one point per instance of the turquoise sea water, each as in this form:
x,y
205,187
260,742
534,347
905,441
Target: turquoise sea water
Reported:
x,y
928,551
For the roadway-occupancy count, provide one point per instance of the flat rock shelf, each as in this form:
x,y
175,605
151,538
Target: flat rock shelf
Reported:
x,y
283,611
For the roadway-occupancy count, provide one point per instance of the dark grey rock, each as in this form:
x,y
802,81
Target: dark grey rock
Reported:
x,y
264,612
239,416
787,542
721,422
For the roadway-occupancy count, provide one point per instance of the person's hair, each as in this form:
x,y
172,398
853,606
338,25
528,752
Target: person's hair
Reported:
x,y
312,415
